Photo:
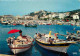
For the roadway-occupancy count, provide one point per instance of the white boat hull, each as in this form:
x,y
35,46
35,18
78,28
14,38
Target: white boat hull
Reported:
x,y
62,49
58,49
16,51
58,45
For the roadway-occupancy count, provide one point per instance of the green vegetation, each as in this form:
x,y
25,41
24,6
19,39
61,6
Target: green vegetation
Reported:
x,y
46,19
1,17
40,13
76,20
75,11
68,18
55,18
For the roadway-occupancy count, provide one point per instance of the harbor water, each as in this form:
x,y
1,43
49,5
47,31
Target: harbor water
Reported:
x,y
36,50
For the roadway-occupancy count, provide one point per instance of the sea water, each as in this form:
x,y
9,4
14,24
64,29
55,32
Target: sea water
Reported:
x,y
36,50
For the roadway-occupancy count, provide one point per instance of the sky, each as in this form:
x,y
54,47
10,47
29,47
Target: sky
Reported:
x,y
24,7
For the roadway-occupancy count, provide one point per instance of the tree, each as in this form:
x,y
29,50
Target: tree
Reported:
x,y
76,20
68,18
46,19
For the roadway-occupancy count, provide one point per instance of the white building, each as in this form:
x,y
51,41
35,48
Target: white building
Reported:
x,y
35,17
53,15
75,16
27,17
62,15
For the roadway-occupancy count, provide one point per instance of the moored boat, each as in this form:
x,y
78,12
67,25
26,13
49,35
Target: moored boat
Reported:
x,y
30,25
21,44
51,42
4,23
48,24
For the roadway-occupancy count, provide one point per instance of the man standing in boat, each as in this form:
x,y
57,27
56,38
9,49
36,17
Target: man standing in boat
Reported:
x,y
20,32
20,37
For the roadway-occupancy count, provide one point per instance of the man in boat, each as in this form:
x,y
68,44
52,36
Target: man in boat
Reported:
x,y
20,37
50,40
38,35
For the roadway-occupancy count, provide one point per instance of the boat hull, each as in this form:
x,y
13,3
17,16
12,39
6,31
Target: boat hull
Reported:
x,y
16,51
5,23
57,49
54,47
30,25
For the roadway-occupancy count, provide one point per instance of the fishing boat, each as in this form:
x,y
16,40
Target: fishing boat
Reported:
x,y
51,42
30,25
48,24
20,44
74,36
15,24
4,23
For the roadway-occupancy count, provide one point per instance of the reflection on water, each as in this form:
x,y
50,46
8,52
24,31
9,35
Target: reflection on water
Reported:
x,y
36,50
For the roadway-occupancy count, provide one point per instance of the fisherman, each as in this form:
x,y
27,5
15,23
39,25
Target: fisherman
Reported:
x,y
36,35
39,35
50,40
56,38
20,32
20,37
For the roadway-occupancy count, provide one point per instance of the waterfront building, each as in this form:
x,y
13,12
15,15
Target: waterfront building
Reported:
x,y
35,17
42,17
62,15
27,17
67,13
53,15
76,16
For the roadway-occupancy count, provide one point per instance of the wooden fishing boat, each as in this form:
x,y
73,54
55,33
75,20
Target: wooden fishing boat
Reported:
x,y
30,25
4,23
18,46
21,44
53,44
48,24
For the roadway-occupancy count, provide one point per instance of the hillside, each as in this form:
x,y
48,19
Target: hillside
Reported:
x,y
40,13
74,11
